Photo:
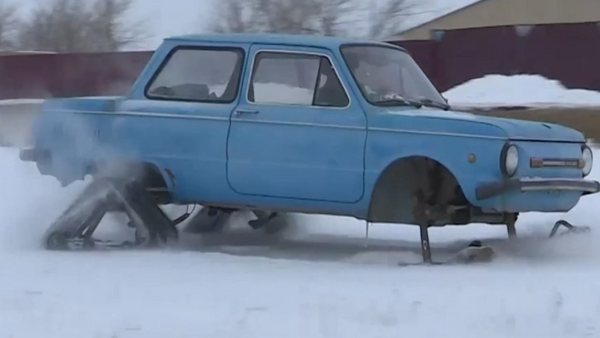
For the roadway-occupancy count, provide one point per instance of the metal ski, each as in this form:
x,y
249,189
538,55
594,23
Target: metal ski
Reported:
x,y
571,229
75,227
475,252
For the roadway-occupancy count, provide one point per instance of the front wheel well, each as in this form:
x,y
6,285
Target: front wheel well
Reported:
x,y
409,184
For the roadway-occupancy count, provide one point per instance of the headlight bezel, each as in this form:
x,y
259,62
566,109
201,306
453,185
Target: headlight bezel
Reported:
x,y
588,163
509,152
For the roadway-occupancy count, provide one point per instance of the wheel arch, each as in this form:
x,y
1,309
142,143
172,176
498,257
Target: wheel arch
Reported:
x,y
392,199
150,173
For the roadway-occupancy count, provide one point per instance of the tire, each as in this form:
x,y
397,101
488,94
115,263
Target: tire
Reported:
x,y
57,241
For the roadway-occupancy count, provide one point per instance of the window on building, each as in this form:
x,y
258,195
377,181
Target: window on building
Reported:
x,y
199,74
296,79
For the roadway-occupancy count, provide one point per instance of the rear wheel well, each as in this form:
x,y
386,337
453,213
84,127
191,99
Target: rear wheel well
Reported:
x,y
411,184
148,174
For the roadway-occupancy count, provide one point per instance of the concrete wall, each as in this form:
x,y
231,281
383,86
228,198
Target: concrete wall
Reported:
x,y
490,13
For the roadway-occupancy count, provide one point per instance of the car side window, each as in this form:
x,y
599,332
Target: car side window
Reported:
x,y
295,79
198,75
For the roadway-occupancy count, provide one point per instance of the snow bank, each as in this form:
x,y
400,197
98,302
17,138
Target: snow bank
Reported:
x,y
14,102
519,90
268,92
278,93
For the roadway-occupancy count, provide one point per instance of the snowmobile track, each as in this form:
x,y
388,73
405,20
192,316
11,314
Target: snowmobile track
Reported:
x,y
74,229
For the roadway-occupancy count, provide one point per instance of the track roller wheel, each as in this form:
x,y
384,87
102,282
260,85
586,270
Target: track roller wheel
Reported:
x,y
88,244
57,241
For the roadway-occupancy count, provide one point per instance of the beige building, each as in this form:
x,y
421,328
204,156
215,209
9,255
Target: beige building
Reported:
x,y
490,13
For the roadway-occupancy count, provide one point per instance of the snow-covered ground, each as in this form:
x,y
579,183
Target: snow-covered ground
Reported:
x,y
519,90
320,280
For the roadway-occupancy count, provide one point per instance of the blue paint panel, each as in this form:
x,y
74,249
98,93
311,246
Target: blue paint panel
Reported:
x,y
287,151
187,138
385,147
449,138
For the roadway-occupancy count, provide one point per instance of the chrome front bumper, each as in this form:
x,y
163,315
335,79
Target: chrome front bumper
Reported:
x,y
488,190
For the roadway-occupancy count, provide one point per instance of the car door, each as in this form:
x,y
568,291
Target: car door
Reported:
x,y
180,119
296,133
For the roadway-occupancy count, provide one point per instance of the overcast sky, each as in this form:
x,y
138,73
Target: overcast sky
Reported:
x,y
174,17
165,17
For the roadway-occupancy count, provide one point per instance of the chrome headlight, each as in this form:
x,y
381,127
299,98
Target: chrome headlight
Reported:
x,y
509,160
588,160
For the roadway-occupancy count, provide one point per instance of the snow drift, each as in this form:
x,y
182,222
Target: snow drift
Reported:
x,y
519,90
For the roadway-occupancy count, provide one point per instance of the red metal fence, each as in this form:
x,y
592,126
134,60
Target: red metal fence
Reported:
x,y
65,75
569,53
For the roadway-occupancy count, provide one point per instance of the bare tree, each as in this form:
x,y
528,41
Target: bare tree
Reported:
x,y
232,16
77,26
108,28
284,16
385,18
8,25
357,18
58,27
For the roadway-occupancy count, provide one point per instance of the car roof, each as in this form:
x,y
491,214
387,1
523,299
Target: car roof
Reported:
x,y
276,38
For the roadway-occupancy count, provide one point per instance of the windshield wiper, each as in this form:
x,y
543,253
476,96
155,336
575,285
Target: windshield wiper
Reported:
x,y
398,102
435,104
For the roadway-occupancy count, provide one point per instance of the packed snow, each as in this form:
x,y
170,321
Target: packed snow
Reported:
x,y
519,90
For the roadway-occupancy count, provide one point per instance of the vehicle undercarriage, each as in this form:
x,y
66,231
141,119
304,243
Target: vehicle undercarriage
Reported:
x,y
74,229
438,202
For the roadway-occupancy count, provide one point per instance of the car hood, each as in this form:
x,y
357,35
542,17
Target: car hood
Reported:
x,y
434,121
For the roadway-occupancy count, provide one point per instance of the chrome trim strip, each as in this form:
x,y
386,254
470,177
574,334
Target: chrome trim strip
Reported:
x,y
440,133
335,69
558,187
529,179
145,114
306,124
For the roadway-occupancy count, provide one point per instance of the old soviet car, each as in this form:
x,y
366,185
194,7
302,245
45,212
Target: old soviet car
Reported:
x,y
310,124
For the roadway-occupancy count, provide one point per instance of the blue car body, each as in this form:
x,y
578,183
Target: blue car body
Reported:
x,y
321,160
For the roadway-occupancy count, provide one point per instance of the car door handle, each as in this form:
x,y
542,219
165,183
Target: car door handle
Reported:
x,y
245,111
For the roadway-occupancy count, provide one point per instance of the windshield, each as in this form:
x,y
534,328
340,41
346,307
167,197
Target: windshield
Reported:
x,y
389,76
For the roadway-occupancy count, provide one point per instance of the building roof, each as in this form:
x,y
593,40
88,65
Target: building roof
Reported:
x,y
426,11
273,38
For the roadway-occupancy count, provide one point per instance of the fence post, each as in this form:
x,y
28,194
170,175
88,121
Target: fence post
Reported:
x,y
439,72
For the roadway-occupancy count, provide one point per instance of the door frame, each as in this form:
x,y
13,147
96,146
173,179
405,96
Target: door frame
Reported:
x,y
353,105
